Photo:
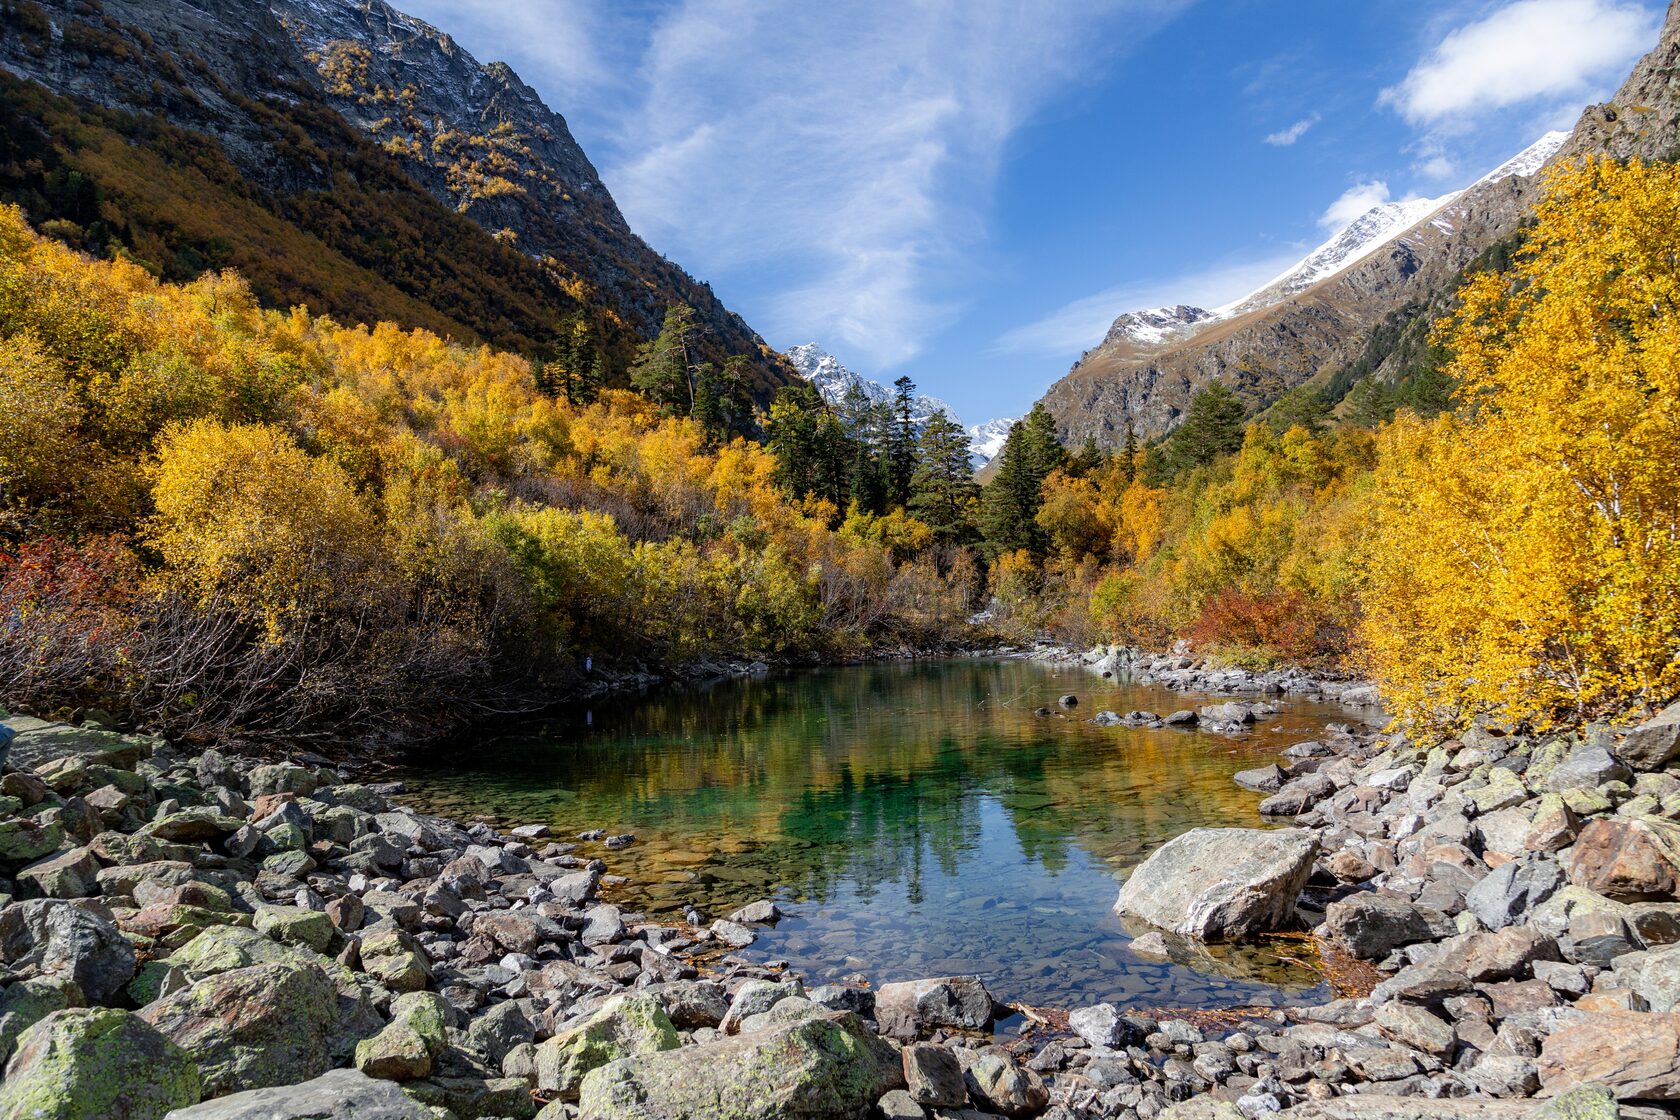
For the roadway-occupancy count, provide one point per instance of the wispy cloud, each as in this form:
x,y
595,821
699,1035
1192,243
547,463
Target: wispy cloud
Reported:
x,y
1526,51
1081,324
1352,203
850,147
1285,137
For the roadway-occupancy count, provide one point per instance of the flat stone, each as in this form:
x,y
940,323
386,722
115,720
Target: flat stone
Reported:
x,y
1371,926
1221,883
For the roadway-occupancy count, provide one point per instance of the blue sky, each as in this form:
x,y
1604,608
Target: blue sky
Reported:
x,y
968,191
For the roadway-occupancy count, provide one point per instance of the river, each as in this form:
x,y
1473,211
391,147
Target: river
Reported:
x,y
914,819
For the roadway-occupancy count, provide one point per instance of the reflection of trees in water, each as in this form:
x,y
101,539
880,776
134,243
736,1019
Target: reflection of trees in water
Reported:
x,y
856,776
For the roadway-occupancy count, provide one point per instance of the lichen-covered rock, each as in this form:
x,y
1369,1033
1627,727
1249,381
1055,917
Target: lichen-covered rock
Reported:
x,y
26,1003
23,839
819,1068
395,959
340,1094
1221,883
397,1053
269,1024
296,925
96,1064
998,1085
68,874
624,1026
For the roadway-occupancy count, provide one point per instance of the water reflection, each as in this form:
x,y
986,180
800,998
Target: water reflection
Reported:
x,y
915,818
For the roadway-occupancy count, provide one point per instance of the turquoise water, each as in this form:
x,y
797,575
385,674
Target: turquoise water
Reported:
x,y
914,819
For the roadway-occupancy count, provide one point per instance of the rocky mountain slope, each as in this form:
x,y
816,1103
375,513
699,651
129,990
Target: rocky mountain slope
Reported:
x,y
1389,265
387,156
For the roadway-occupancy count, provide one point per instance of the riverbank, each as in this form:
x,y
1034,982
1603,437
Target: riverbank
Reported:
x,y
1516,895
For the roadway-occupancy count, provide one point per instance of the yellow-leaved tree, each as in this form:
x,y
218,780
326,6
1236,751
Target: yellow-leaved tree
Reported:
x,y
1525,559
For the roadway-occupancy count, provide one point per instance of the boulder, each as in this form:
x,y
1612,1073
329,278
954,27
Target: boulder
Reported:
x,y
1588,766
1411,1025
825,1066
38,741
27,1002
908,1008
66,941
69,874
1509,894
998,1085
1221,883
1503,954
755,997
1101,1025
933,1076
96,1063
1636,1055
1264,779
269,1024
623,1027
691,1003
340,1094
1653,744
1628,859
1371,926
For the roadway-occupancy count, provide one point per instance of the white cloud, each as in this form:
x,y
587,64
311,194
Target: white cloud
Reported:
x,y
1524,51
1294,132
1081,324
1353,203
570,48
849,149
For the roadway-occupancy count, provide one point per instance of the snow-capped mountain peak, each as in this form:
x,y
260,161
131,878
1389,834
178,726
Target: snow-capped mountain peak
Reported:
x,y
1157,324
986,440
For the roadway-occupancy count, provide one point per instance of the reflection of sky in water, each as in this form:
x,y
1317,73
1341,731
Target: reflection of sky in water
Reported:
x,y
914,819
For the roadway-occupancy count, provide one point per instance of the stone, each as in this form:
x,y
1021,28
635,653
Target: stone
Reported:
x,y
1505,1075
1583,1102
518,931
397,1053
908,1008
933,1076
1503,954
1628,860
193,826
268,1024
1510,892
1634,1054
295,925
1553,826
624,1026
762,912
755,997
496,1031
1264,779
69,874
340,1094
692,1003
96,1063
1371,926
1588,766
1412,1026
896,1105
27,1002
1221,883
23,839
66,941
733,934
998,1085
395,959
825,1066
1654,743
1101,1025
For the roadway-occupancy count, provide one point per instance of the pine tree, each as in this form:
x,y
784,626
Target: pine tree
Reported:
x,y
1129,455
664,368
1213,427
901,443
943,489
1010,505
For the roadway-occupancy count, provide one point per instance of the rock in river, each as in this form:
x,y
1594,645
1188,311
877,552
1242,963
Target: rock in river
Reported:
x,y
1221,883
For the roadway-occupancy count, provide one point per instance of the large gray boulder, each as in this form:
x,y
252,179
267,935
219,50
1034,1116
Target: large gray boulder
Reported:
x,y
911,1007
1371,926
1218,884
340,1094
1508,895
825,1066
1654,743
65,941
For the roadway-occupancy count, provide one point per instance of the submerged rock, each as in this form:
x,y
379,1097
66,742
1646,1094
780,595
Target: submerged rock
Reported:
x,y
1221,883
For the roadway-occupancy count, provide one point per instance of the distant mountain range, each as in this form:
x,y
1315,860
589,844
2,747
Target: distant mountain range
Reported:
x,y
836,384
1312,318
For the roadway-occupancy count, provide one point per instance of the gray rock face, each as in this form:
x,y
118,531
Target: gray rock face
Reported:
x,y
1587,767
906,1009
1509,894
341,1094
1221,883
66,941
1654,743
1371,925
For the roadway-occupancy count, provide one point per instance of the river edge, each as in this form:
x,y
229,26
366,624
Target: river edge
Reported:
x,y
1367,800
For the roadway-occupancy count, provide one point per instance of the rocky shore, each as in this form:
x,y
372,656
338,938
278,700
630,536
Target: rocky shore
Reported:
x,y
214,938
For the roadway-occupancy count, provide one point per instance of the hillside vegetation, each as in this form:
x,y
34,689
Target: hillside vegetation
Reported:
x,y
222,519
1508,544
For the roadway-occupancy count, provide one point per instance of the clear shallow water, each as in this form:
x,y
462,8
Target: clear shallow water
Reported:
x,y
915,819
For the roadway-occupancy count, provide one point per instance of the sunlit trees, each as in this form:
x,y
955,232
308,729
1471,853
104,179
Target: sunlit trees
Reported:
x,y
1213,427
943,490
665,367
1526,560
1010,512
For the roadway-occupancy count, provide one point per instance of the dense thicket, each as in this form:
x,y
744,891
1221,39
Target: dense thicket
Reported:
x,y
223,519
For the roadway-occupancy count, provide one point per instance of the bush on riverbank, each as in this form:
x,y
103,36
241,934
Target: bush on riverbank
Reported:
x,y
222,520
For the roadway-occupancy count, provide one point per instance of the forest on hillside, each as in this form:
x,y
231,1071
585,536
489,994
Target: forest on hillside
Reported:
x,y
287,527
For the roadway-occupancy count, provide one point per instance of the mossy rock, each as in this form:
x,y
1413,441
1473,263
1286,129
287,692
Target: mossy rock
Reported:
x,y
1584,1102
295,925
624,1026
97,1063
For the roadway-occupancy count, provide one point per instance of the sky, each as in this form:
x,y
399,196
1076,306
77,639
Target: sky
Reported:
x,y
969,191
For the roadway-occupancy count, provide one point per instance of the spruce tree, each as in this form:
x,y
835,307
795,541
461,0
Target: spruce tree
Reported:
x,y
1009,511
1129,455
943,489
901,443
1213,427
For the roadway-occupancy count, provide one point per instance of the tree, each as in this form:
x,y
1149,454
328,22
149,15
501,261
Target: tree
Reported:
x,y
1012,499
664,369
943,490
901,443
1525,560
1300,407
1129,456
1213,427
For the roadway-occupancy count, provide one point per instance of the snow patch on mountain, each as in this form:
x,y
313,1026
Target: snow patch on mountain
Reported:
x,y
1157,324
835,384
